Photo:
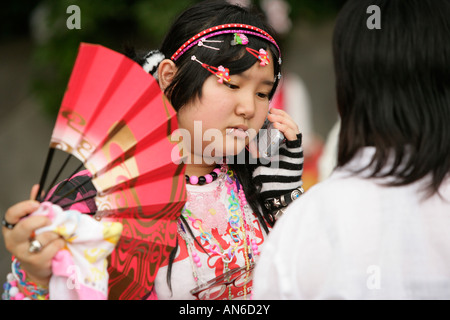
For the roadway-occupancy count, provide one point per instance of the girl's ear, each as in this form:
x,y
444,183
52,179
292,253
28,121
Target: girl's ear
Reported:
x,y
166,72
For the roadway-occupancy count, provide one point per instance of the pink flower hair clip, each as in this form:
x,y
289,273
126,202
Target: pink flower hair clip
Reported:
x,y
261,55
239,38
220,72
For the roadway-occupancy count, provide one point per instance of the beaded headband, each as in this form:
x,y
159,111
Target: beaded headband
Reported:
x,y
224,29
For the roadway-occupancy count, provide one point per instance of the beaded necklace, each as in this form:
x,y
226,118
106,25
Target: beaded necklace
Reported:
x,y
240,230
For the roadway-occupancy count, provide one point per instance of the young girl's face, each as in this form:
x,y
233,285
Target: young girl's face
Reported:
x,y
229,114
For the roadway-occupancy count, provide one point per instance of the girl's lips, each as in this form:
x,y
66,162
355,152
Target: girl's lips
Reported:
x,y
237,132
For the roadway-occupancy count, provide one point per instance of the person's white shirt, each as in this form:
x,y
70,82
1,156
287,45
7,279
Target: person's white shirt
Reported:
x,y
350,237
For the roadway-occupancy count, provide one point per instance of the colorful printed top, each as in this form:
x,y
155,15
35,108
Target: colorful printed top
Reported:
x,y
219,240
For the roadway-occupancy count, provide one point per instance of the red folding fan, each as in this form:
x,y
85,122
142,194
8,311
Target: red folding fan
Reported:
x,y
116,121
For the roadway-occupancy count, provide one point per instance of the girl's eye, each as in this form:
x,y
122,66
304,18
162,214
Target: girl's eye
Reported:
x,y
263,95
230,85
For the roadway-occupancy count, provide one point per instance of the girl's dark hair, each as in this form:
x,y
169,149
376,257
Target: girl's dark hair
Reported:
x,y
188,81
393,87
190,76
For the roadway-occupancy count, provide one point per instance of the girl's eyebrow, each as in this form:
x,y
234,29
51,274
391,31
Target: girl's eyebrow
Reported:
x,y
264,82
268,83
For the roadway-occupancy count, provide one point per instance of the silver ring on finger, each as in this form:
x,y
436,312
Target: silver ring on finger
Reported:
x,y
35,246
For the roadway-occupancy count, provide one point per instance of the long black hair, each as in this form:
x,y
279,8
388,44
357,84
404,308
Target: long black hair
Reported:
x,y
393,87
188,81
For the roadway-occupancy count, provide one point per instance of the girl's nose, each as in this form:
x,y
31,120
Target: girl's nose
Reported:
x,y
246,106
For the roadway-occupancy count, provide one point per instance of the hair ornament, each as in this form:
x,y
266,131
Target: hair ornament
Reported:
x,y
220,72
239,38
224,29
152,61
261,55
202,41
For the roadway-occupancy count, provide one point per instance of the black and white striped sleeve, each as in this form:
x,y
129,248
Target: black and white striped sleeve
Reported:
x,y
283,173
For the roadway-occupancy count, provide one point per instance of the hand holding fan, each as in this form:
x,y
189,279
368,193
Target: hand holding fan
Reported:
x,y
116,121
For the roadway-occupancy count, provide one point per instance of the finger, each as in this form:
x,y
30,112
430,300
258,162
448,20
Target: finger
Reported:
x,y
285,119
22,249
47,237
39,265
18,244
25,228
283,114
34,192
290,134
20,210
48,252
278,111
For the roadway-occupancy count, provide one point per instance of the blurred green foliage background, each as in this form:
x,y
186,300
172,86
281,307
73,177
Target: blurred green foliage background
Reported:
x,y
113,23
